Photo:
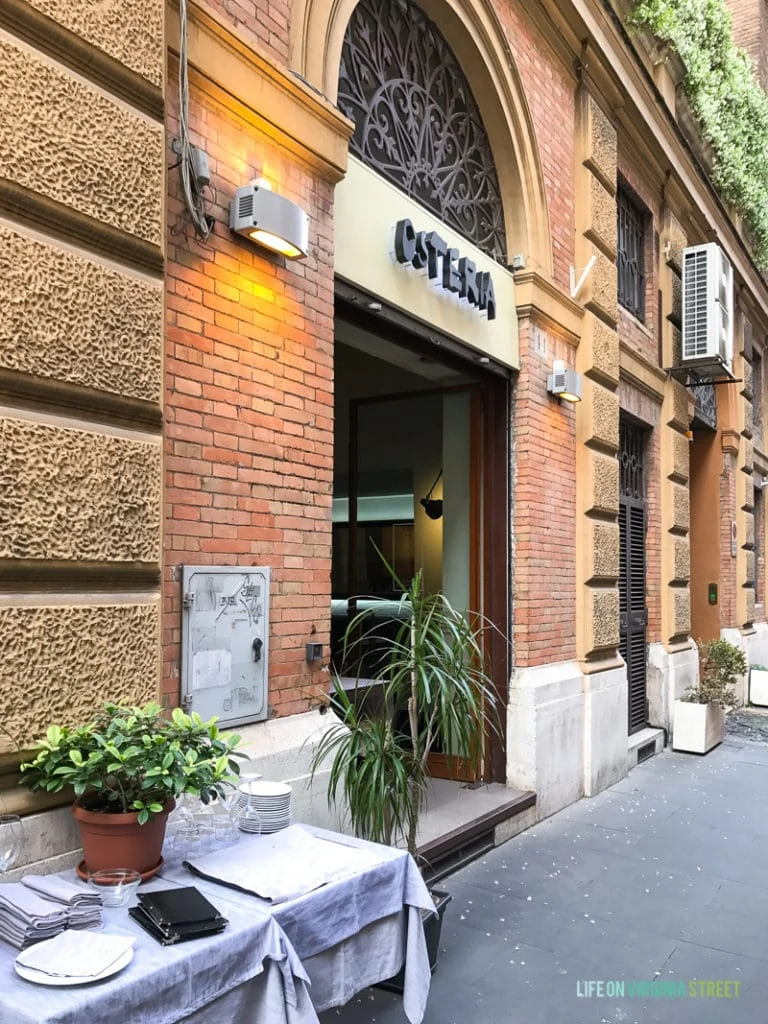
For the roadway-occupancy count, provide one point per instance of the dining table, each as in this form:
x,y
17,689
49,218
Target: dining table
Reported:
x,y
313,918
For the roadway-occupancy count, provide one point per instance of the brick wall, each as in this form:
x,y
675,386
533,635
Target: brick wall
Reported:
x,y
544,513
550,97
263,22
249,388
750,30
248,410
728,579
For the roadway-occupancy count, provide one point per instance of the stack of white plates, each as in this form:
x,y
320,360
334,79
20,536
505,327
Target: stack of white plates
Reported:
x,y
269,804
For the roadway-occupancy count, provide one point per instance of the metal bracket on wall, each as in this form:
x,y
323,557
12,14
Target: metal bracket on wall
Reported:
x,y
687,376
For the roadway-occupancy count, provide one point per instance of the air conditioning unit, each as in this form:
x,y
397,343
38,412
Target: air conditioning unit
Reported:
x,y
707,310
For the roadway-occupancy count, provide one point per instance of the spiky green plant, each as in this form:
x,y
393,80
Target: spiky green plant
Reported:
x,y
435,685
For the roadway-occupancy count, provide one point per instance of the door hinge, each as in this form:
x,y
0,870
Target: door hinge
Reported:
x,y
188,600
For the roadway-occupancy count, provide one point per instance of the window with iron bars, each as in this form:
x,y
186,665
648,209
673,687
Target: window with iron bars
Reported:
x,y
630,255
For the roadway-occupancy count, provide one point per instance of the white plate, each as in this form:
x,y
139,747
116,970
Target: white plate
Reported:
x,y
264,788
39,978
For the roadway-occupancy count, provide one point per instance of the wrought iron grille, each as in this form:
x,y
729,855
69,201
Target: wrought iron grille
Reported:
x,y
631,461
705,406
416,120
630,256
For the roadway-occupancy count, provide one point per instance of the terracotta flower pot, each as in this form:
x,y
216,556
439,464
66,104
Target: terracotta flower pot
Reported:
x,y
118,841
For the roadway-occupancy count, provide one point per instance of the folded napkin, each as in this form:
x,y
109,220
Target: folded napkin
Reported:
x,y
59,890
19,902
26,917
83,906
76,954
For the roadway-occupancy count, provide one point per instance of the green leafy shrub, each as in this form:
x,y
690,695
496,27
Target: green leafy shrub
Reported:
x,y
727,99
720,663
134,759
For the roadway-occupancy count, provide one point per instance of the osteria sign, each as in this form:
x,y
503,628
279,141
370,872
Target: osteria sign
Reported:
x,y
399,252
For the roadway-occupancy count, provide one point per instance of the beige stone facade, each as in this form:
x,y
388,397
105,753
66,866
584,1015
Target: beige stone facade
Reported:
x,y
81,358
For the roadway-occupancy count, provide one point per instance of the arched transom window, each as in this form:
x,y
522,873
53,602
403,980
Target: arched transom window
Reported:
x,y
416,120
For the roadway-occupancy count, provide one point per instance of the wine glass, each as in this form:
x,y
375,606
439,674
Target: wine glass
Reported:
x,y
11,840
248,817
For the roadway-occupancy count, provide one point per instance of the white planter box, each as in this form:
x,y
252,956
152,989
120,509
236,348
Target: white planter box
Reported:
x,y
758,687
697,728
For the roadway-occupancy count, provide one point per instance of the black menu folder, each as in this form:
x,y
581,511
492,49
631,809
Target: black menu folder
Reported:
x,y
177,915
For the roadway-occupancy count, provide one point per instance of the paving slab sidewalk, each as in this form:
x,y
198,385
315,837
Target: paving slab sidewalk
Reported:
x,y
661,879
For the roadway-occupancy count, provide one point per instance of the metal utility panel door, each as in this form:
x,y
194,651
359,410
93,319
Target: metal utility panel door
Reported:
x,y
224,642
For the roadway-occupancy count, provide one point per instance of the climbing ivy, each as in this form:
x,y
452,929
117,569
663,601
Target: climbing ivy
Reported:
x,y
726,97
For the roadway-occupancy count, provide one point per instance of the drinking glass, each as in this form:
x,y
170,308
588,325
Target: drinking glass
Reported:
x,y
205,832
11,840
225,829
186,842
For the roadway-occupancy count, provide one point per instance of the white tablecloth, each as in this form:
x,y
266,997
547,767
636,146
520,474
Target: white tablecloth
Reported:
x,y
350,933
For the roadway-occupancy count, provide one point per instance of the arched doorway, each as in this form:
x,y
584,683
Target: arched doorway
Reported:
x,y
425,336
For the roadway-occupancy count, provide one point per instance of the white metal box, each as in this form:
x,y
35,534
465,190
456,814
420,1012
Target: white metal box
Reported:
x,y
225,642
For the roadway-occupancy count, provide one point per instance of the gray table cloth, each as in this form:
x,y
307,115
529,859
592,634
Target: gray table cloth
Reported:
x,y
351,932
249,973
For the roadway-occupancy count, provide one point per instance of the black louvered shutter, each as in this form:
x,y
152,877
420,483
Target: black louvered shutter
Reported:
x,y
633,611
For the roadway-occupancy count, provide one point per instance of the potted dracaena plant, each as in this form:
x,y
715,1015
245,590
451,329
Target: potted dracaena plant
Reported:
x,y
699,717
433,686
126,767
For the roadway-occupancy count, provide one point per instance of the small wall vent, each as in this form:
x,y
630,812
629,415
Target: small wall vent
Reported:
x,y
647,750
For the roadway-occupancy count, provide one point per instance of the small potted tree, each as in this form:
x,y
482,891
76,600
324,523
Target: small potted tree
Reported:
x,y
699,717
434,685
126,767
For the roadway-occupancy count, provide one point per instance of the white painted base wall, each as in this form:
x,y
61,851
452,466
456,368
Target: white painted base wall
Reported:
x,y
741,686
545,735
668,677
567,733
605,729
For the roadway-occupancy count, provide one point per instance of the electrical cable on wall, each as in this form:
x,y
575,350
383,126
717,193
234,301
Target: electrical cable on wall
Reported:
x,y
193,163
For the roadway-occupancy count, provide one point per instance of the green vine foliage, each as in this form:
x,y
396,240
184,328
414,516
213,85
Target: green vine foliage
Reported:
x,y
727,99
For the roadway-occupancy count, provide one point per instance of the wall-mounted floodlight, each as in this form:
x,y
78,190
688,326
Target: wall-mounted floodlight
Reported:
x,y
270,220
564,383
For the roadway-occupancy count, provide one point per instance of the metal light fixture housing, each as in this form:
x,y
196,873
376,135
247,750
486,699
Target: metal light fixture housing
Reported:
x,y
564,383
270,220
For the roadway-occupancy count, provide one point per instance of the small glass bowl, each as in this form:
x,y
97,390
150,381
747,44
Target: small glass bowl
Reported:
x,y
116,885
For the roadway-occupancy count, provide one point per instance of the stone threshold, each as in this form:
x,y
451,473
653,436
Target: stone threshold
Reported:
x,y
462,822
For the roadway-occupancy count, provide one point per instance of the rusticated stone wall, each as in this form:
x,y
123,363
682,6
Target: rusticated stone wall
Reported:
x,y
82,159
103,326
43,672
597,359
675,469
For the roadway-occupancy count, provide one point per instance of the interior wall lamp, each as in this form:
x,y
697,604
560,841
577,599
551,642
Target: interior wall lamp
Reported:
x,y
270,220
564,383
433,506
